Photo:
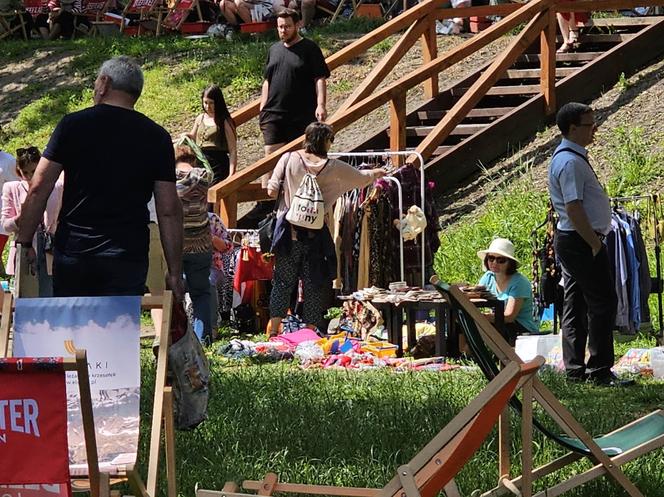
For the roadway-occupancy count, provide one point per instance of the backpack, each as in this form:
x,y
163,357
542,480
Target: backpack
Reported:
x,y
307,207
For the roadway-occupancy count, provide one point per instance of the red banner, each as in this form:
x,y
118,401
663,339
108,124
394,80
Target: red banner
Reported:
x,y
33,429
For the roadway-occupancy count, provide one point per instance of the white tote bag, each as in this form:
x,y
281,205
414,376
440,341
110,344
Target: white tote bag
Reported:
x,y
307,207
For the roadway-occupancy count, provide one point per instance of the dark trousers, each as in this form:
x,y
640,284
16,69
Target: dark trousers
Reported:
x,y
589,306
91,276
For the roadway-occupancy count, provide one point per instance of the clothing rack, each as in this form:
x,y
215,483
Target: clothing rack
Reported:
x,y
390,155
653,204
244,232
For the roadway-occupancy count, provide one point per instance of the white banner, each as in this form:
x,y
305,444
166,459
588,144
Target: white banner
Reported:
x,y
109,329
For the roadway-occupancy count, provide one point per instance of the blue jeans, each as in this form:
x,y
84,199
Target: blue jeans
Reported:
x,y
196,269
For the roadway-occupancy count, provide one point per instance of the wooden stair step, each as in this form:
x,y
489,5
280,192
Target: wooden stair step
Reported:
x,y
460,130
525,90
561,57
437,115
622,21
561,72
602,38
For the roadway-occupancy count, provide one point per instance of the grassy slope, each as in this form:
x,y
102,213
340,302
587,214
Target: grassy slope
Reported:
x,y
176,71
328,427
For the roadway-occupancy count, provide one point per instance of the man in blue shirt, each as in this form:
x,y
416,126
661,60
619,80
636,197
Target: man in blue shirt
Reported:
x,y
584,211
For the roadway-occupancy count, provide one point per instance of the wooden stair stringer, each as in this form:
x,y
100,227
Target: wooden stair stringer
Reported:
x,y
507,132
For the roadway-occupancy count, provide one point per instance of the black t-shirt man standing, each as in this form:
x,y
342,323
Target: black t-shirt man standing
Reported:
x,y
102,238
294,91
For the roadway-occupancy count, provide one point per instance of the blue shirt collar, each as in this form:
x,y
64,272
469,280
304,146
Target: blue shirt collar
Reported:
x,y
565,143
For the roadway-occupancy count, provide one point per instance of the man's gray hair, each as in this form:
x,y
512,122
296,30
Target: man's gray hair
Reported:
x,y
125,74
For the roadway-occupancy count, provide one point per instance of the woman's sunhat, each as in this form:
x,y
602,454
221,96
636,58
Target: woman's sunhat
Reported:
x,y
499,246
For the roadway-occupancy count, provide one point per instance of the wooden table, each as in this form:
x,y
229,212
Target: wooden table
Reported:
x,y
447,334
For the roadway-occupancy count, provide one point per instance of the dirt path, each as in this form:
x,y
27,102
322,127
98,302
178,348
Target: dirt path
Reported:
x,y
22,81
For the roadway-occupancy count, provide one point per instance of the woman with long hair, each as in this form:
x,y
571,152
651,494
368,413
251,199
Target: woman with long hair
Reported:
x,y
214,131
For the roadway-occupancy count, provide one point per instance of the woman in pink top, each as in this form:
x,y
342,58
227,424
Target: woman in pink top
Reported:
x,y
13,196
309,255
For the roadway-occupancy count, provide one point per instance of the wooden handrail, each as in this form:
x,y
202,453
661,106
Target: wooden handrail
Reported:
x,y
488,78
387,63
594,5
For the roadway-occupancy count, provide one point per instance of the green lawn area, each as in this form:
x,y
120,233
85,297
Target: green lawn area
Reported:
x,y
355,428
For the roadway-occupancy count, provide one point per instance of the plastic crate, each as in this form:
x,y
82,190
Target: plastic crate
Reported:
x,y
257,27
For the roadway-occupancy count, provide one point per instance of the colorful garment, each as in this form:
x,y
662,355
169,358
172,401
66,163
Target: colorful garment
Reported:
x,y
192,187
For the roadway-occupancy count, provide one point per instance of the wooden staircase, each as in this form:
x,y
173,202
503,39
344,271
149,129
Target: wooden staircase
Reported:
x,y
487,113
504,117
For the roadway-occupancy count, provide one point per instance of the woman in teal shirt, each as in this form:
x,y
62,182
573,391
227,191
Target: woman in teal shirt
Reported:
x,y
503,280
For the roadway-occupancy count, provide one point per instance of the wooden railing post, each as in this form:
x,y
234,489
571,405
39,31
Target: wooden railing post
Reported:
x,y
398,122
548,63
228,210
429,53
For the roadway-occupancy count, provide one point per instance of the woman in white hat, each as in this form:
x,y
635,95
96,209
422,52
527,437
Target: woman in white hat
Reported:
x,y
503,280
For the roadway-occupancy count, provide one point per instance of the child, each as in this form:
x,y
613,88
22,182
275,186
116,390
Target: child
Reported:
x,y
13,196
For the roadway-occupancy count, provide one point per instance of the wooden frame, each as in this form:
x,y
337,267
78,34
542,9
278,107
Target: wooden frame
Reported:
x,y
5,24
431,470
162,411
176,17
603,464
99,486
146,10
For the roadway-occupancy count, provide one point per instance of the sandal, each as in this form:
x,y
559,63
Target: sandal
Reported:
x,y
564,48
574,39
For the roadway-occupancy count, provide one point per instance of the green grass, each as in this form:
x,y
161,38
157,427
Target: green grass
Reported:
x,y
513,209
510,213
176,71
356,428
634,160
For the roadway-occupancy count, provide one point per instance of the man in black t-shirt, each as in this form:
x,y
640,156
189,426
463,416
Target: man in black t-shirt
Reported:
x,y
294,92
101,242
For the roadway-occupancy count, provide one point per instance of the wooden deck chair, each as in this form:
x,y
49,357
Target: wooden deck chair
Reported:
x,y
93,11
162,427
139,17
433,469
176,19
35,8
33,428
607,453
9,24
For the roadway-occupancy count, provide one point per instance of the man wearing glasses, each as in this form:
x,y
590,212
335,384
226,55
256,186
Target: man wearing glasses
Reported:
x,y
584,219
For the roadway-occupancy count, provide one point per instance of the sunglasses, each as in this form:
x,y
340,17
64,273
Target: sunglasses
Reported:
x,y
497,260
31,153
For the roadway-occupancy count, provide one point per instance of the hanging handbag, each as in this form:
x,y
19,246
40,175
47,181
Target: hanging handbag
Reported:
x,y
266,226
307,207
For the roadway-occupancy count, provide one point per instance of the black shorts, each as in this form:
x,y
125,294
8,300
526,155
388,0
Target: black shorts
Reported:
x,y
282,130
41,21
